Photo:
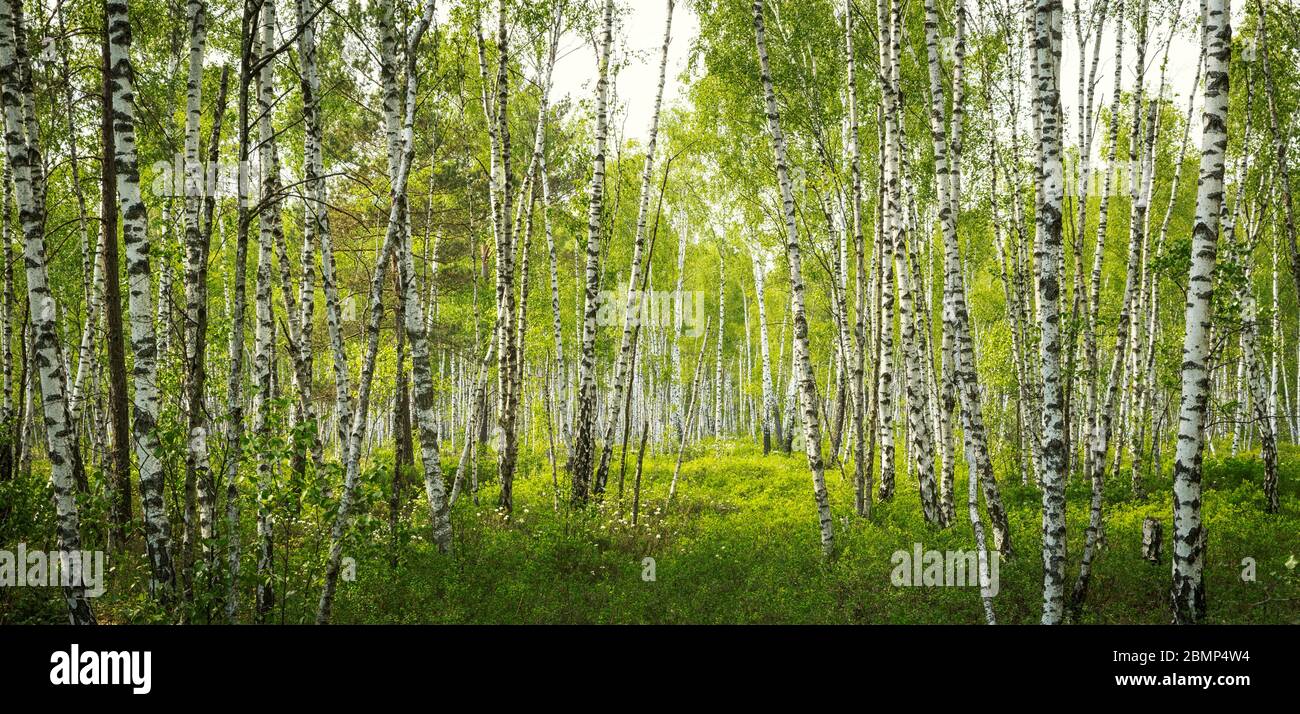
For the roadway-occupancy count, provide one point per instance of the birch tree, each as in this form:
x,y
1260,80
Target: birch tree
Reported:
x,y
1047,49
396,243
143,337
580,461
862,463
807,386
61,438
623,366
1187,594
771,417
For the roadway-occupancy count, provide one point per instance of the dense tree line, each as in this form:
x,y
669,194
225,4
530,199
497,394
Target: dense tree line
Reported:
x,y
893,237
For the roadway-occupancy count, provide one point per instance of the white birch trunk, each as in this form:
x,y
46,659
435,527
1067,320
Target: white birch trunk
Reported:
x,y
807,387
1187,593
143,338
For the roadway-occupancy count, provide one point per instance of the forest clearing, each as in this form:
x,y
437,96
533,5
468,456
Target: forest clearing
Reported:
x,y
650,311
736,549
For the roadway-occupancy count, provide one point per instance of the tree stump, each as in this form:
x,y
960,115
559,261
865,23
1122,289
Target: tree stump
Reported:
x,y
1152,537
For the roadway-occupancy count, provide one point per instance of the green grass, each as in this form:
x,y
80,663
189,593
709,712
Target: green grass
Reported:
x,y
739,544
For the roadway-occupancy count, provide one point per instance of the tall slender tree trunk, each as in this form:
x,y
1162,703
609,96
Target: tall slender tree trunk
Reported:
x,y
675,358
807,386
888,210
507,348
1091,405
543,176
20,147
196,454
397,239
1261,394
200,202
580,462
771,418
143,337
1051,189
316,224
264,334
717,357
623,367
8,327
961,352
861,463
1187,593
119,416
1105,415
235,375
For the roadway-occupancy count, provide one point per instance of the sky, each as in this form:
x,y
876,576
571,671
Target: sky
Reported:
x,y
1184,55
641,31
640,35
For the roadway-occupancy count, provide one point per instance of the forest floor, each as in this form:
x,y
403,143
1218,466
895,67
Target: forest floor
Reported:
x,y
739,544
